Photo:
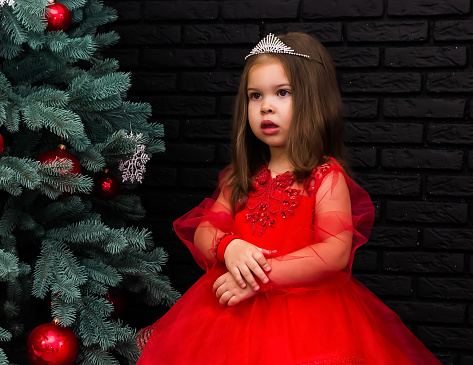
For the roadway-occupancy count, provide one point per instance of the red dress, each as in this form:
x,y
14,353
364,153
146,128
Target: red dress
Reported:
x,y
332,321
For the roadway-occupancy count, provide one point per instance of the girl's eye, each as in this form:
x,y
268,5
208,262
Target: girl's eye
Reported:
x,y
255,96
283,92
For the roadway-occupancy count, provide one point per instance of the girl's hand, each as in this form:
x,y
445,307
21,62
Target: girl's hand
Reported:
x,y
243,260
228,292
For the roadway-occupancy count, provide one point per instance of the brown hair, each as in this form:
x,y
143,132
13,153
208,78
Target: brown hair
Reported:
x,y
316,131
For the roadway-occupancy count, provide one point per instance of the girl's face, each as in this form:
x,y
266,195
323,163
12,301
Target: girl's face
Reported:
x,y
269,103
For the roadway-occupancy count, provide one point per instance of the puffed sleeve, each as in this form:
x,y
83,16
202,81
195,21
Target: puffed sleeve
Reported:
x,y
343,217
202,227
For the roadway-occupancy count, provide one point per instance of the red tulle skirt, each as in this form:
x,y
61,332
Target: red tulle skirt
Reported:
x,y
344,325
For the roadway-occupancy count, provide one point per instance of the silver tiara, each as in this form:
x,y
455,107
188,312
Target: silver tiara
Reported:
x,y
272,44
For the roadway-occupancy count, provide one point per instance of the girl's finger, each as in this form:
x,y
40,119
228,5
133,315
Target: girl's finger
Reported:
x,y
261,261
225,298
218,283
237,276
256,269
219,292
245,271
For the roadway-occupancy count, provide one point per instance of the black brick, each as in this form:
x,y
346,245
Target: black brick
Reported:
x,y
424,108
455,82
185,274
355,57
426,212
453,338
465,359
387,285
145,81
390,185
210,81
207,129
221,34
157,176
128,58
365,261
127,10
448,239
453,30
423,7
173,203
188,153
441,288
429,312
383,132
279,9
450,133
226,105
425,57
149,34
199,178
460,186
179,57
183,105
171,128
361,108
234,58
381,82
165,10
394,237
423,262
387,32
362,157
422,159
224,153
324,32
342,8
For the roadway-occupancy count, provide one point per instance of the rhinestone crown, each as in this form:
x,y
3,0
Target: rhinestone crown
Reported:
x,y
272,44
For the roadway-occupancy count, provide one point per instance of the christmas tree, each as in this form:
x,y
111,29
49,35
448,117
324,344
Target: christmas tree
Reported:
x,y
67,234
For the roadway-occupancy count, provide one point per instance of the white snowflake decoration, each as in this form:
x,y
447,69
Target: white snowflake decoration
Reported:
x,y
134,168
8,2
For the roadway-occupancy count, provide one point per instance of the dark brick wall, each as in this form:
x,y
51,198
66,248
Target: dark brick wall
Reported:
x,y
404,69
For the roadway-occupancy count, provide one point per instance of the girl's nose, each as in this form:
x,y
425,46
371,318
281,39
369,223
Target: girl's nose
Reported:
x,y
266,107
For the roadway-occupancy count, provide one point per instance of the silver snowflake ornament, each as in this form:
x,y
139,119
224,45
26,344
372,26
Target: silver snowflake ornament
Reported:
x,y
8,2
134,168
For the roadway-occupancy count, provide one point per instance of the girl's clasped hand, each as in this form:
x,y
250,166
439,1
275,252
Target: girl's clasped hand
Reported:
x,y
244,261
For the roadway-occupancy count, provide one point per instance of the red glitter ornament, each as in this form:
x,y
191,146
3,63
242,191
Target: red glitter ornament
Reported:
x,y
2,144
106,185
52,344
58,17
50,156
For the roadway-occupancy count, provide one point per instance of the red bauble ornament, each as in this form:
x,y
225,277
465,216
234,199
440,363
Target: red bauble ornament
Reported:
x,y
106,185
52,344
2,144
58,17
61,154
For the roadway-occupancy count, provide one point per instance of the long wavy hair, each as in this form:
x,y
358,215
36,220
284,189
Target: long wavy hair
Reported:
x,y
316,131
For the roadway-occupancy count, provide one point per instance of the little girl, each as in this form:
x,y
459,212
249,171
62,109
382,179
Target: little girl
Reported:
x,y
278,238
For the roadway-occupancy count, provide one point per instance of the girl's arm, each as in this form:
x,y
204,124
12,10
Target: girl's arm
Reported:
x,y
243,259
334,229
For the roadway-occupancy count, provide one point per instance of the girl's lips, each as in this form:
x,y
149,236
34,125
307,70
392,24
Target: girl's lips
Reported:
x,y
268,127
268,124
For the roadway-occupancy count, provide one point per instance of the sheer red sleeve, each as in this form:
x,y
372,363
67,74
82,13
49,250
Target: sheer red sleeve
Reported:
x,y
343,216
203,227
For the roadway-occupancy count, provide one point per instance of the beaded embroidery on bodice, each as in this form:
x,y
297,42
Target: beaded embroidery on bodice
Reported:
x,y
277,196
270,198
